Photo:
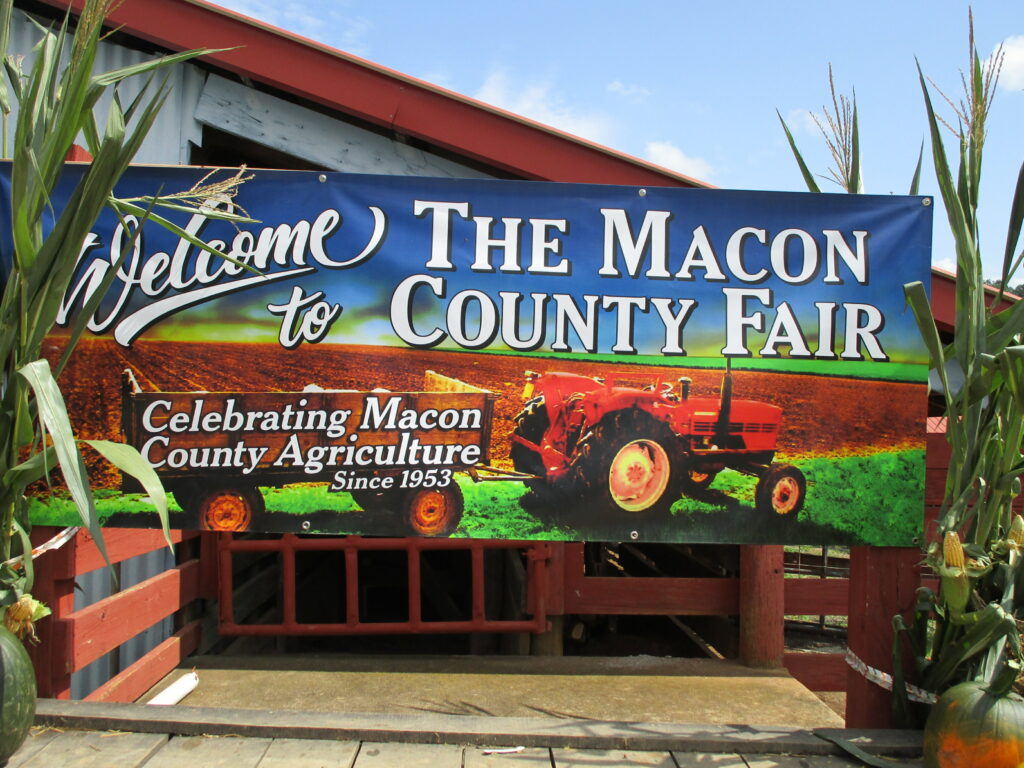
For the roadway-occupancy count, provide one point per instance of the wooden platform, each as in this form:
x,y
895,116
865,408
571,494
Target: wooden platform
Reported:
x,y
49,747
86,734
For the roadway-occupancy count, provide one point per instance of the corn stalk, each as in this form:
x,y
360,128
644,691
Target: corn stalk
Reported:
x,y
56,99
970,629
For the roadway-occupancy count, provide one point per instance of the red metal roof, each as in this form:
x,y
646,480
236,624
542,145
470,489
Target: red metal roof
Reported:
x,y
381,96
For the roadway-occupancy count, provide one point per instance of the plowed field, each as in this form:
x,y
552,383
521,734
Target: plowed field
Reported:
x,y
821,415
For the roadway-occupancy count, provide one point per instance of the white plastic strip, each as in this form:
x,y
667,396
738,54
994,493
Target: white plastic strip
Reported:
x,y
176,691
884,680
56,542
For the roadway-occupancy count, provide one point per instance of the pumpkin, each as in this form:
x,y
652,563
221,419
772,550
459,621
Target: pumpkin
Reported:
x,y
974,725
17,694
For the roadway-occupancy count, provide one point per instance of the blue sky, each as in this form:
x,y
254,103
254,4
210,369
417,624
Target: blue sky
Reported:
x,y
695,85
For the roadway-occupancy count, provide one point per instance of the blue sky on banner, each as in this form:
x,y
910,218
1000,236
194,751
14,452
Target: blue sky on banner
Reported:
x,y
695,86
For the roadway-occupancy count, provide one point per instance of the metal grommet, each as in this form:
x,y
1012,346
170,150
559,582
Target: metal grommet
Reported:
x,y
634,535
305,525
926,201
322,178
642,193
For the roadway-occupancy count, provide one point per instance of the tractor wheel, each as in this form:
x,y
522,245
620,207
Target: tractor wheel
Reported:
x,y
230,509
433,511
630,462
696,480
531,424
781,490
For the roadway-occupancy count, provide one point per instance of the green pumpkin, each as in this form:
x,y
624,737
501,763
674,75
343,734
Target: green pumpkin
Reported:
x,y
17,694
975,726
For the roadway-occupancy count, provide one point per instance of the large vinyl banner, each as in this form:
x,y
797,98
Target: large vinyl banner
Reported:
x,y
500,359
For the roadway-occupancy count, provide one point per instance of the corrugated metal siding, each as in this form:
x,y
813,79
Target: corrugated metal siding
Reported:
x,y
96,585
168,140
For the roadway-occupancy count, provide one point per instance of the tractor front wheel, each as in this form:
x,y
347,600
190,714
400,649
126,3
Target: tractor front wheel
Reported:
x,y
781,490
696,479
629,462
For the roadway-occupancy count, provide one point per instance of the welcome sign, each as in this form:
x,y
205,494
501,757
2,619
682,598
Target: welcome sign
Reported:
x,y
510,360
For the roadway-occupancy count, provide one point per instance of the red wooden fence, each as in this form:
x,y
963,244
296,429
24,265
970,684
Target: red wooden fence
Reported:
x,y
881,583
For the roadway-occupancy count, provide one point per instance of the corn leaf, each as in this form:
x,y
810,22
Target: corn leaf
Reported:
x,y
1011,260
915,182
36,467
812,185
130,461
54,416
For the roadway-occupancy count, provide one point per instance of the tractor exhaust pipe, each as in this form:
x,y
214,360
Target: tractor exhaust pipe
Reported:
x,y
684,387
724,407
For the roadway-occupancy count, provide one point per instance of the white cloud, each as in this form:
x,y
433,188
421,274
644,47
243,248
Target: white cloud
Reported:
x,y
946,263
333,24
634,92
537,102
801,121
668,155
1011,76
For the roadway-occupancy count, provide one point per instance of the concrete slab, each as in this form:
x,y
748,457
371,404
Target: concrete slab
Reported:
x,y
639,688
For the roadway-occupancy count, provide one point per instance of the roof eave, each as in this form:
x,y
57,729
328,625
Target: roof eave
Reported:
x,y
380,96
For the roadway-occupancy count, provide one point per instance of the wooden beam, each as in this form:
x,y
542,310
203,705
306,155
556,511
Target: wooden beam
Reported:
x,y
652,597
817,597
818,671
762,605
122,544
138,678
104,625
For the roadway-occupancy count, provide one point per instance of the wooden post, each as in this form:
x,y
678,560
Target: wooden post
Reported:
x,y
55,586
762,605
883,582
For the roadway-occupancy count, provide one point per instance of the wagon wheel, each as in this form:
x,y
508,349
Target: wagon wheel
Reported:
x,y
781,491
629,462
187,495
230,509
377,500
433,511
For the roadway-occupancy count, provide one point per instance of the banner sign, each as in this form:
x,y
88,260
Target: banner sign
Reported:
x,y
499,359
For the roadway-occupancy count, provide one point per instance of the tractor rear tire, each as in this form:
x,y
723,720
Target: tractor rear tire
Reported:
x,y
781,490
630,462
531,424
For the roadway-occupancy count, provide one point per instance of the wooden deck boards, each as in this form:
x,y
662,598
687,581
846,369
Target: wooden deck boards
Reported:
x,y
48,747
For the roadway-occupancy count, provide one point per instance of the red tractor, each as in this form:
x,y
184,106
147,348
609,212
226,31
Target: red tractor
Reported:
x,y
639,450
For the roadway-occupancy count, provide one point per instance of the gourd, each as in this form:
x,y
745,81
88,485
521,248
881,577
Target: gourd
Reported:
x,y
974,725
17,694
